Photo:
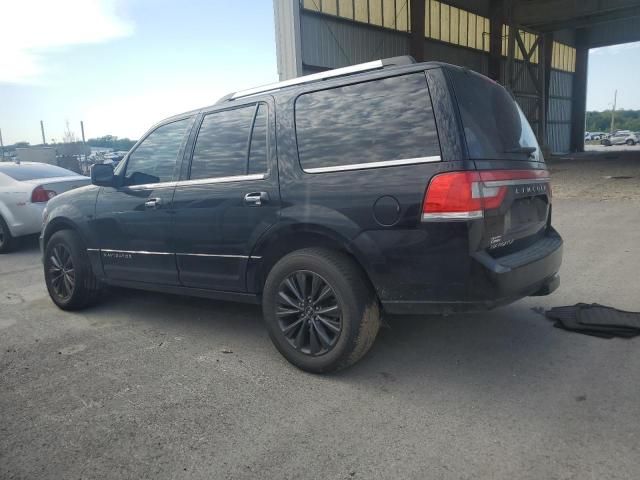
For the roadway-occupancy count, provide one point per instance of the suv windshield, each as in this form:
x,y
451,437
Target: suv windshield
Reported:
x,y
494,125
22,172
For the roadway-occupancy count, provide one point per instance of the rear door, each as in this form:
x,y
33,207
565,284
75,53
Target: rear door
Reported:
x,y
514,179
229,198
133,220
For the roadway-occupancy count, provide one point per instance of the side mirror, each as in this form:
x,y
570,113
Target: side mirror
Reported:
x,y
102,175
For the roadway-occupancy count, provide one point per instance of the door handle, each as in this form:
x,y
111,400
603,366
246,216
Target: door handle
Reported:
x,y
153,203
256,199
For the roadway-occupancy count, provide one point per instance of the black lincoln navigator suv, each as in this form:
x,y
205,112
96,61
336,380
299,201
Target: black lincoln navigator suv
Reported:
x,y
388,187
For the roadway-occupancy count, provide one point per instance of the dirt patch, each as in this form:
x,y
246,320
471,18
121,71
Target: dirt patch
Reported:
x,y
595,176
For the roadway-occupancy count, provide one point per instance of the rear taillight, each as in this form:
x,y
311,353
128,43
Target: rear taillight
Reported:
x,y
41,195
466,195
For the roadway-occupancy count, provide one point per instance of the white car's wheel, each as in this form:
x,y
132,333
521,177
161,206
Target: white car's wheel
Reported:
x,y
6,239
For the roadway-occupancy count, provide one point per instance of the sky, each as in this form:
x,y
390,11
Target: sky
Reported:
x,y
122,65
614,68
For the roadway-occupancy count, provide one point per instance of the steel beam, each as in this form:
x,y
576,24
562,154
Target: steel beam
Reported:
x,y
539,13
496,20
416,45
544,60
288,38
579,94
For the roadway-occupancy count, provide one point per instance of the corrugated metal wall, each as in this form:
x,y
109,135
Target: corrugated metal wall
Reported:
x,y
523,88
331,42
559,114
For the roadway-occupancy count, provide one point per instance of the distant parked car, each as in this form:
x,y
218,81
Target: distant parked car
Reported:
x,y
620,137
25,189
595,135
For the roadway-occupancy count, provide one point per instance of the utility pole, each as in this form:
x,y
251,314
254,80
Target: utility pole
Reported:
x,y
613,111
44,141
82,130
1,145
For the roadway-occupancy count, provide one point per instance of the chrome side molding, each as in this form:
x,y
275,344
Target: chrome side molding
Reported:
x,y
367,165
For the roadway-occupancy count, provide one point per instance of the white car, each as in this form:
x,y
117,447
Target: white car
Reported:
x,y
621,137
594,135
25,189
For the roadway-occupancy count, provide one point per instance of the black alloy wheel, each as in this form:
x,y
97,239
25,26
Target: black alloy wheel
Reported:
x,y
308,312
67,272
320,309
62,272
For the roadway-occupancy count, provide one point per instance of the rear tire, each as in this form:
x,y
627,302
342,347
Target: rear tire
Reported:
x,y
630,142
67,272
320,333
7,241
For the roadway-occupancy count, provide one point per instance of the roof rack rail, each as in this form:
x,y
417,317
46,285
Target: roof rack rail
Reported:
x,y
338,72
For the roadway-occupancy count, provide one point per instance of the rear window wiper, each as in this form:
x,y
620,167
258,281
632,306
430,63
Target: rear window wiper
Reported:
x,y
527,150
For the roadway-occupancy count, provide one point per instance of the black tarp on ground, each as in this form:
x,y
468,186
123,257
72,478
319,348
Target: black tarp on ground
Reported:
x,y
597,320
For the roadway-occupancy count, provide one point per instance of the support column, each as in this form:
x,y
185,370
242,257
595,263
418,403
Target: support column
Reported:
x,y
416,47
579,93
288,38
496,20
545,51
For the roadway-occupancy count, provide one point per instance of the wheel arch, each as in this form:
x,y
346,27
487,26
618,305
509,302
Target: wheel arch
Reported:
x,y
274,245
58,224
7,216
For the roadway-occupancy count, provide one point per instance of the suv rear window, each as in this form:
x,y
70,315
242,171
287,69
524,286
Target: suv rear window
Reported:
x,y
494,125
375,121
22,172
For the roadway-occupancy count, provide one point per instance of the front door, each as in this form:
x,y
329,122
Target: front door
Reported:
x,y
229,199
133,220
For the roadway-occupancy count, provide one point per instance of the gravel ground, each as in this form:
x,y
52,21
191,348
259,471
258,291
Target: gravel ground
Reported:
x,y
594,175
141,386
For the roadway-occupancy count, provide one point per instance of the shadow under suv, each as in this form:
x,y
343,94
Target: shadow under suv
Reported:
x,y
388,187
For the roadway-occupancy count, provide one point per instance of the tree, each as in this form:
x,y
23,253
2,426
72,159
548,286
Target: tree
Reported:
x,y
111,141
625,120
69,136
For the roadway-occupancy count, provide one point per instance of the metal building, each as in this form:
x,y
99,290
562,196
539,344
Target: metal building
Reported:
x,y
536,48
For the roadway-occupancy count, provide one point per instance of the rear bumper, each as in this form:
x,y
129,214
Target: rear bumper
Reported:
x,y
532,271
27,219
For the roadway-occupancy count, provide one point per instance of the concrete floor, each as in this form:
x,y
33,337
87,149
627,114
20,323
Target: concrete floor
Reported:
x,y
140,387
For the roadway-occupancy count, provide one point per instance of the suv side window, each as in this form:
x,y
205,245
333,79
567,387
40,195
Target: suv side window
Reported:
x,y
231,143
155,160
259,142
390,119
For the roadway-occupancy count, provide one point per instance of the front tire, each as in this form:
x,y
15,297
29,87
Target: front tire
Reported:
x,y
67,272
7,242
321,312
630,142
